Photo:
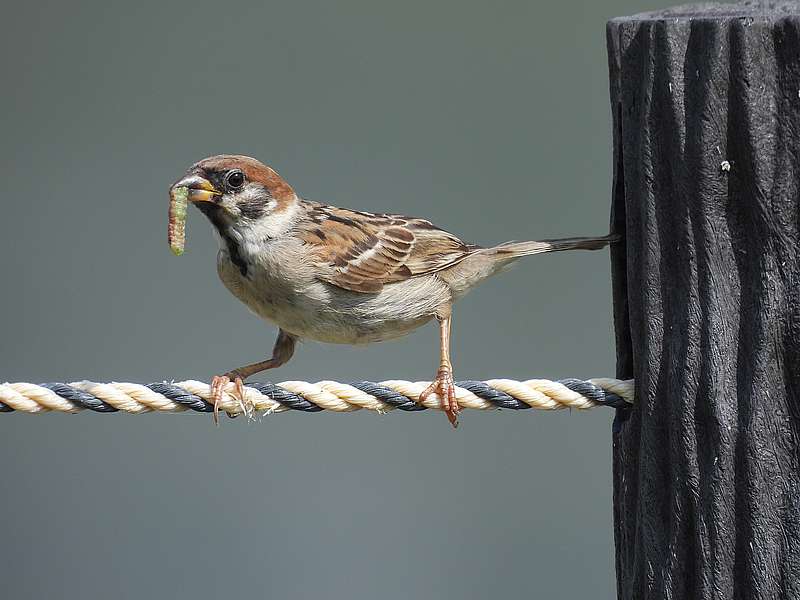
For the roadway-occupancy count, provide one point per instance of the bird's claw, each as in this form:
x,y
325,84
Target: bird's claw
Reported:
x,y
444,387
218,385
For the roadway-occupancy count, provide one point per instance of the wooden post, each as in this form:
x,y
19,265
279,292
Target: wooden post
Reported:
x,y
706,105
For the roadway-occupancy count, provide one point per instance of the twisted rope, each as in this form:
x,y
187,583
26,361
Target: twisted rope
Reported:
x,y
312,397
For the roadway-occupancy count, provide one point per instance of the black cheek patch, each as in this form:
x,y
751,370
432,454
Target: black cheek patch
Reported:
x,y
252,209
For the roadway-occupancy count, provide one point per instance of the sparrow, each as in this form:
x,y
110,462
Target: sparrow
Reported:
x,y
337,275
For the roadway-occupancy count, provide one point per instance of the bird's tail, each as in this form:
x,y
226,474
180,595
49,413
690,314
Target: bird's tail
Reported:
x,y
518,249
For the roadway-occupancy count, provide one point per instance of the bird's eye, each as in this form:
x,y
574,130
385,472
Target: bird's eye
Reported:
x,y
234,179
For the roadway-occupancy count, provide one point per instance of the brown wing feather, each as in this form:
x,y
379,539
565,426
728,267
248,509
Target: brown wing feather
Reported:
x,y
367,251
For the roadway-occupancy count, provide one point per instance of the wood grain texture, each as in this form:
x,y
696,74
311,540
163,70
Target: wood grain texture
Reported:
x,y
706,106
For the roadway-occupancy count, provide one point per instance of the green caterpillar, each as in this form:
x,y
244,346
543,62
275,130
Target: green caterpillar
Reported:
x,y
178,201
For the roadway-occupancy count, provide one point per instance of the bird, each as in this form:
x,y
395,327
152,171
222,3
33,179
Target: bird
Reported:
x,y
330,274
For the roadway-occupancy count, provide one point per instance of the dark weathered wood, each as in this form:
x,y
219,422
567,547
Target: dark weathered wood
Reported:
x,y
706,104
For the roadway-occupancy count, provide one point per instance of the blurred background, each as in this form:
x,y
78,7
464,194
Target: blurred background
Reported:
x,y
490,119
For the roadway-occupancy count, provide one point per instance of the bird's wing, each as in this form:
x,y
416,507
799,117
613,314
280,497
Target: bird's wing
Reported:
x,y
365,251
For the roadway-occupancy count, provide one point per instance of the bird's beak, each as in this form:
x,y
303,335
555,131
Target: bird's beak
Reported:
x,y
200,188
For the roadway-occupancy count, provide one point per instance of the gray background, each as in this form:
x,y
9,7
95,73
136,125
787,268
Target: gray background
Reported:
x,y
491,120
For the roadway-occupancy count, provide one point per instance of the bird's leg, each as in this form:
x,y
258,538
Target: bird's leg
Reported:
x,y
443,386
281,353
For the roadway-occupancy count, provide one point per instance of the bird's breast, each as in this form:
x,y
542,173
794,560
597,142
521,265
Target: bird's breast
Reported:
x,y
288,294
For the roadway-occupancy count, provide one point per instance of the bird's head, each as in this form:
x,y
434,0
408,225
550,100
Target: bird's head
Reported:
x,y
239,194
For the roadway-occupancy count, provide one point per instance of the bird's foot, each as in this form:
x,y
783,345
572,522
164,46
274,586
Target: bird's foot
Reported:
x,y
444,387
218,385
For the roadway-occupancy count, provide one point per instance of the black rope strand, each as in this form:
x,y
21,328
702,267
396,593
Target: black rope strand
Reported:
x,y
181,396
294,401
594,393
388,395
285,397
496,397
79,397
